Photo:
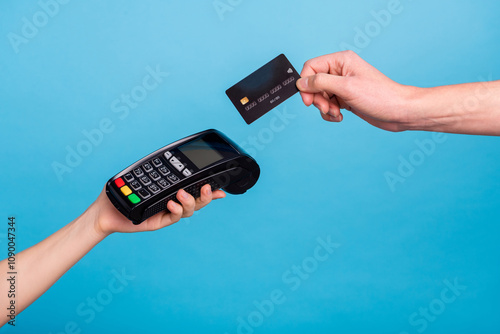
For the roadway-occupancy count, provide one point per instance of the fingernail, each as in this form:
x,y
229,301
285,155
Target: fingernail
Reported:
x,y
209,191
317,106
184,194
332,113
302,83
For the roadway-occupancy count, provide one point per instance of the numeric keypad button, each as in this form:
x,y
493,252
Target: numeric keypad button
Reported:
x,y
138,172
173,178
154,175
135,185
145,180
164,170
163,183
144,193
157,162
154,188
147,167
128,177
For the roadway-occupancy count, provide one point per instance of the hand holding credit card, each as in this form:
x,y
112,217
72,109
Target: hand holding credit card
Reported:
x,y
264,89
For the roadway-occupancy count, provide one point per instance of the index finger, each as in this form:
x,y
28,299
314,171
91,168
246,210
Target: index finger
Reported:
x,y
330,64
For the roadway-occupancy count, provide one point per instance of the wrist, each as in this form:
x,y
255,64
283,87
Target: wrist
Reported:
x,y
438,109
92,220
412,107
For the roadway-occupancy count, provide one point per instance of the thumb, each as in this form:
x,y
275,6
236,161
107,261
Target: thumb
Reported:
x,y
322,82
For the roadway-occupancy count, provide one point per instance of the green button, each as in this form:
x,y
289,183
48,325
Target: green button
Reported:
x,y
134,198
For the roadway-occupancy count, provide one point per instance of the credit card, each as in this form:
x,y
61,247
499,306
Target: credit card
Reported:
x,y
264,89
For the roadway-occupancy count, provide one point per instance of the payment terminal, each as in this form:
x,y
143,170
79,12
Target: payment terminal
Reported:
x,y
209,157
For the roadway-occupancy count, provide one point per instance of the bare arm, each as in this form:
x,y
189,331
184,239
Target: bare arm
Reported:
x,y
41,265
472,108
345,81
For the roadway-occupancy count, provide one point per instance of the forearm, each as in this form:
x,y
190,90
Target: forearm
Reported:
x,y
41,265
472,108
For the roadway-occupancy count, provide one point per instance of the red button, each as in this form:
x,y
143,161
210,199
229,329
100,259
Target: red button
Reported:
x,y
119,182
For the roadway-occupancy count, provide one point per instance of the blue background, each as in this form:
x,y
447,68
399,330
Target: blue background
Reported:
x,y
318,179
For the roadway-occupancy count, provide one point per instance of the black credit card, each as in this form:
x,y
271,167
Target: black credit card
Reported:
x,y
264,89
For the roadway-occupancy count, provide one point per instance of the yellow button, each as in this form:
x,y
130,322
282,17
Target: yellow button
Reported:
x,y
126,190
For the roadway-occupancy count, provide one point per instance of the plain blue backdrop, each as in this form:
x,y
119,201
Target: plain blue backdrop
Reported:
x,y
397,247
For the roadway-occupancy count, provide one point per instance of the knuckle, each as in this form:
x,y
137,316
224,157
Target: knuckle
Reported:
x,y
349,54
348,85
178,209
319,80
